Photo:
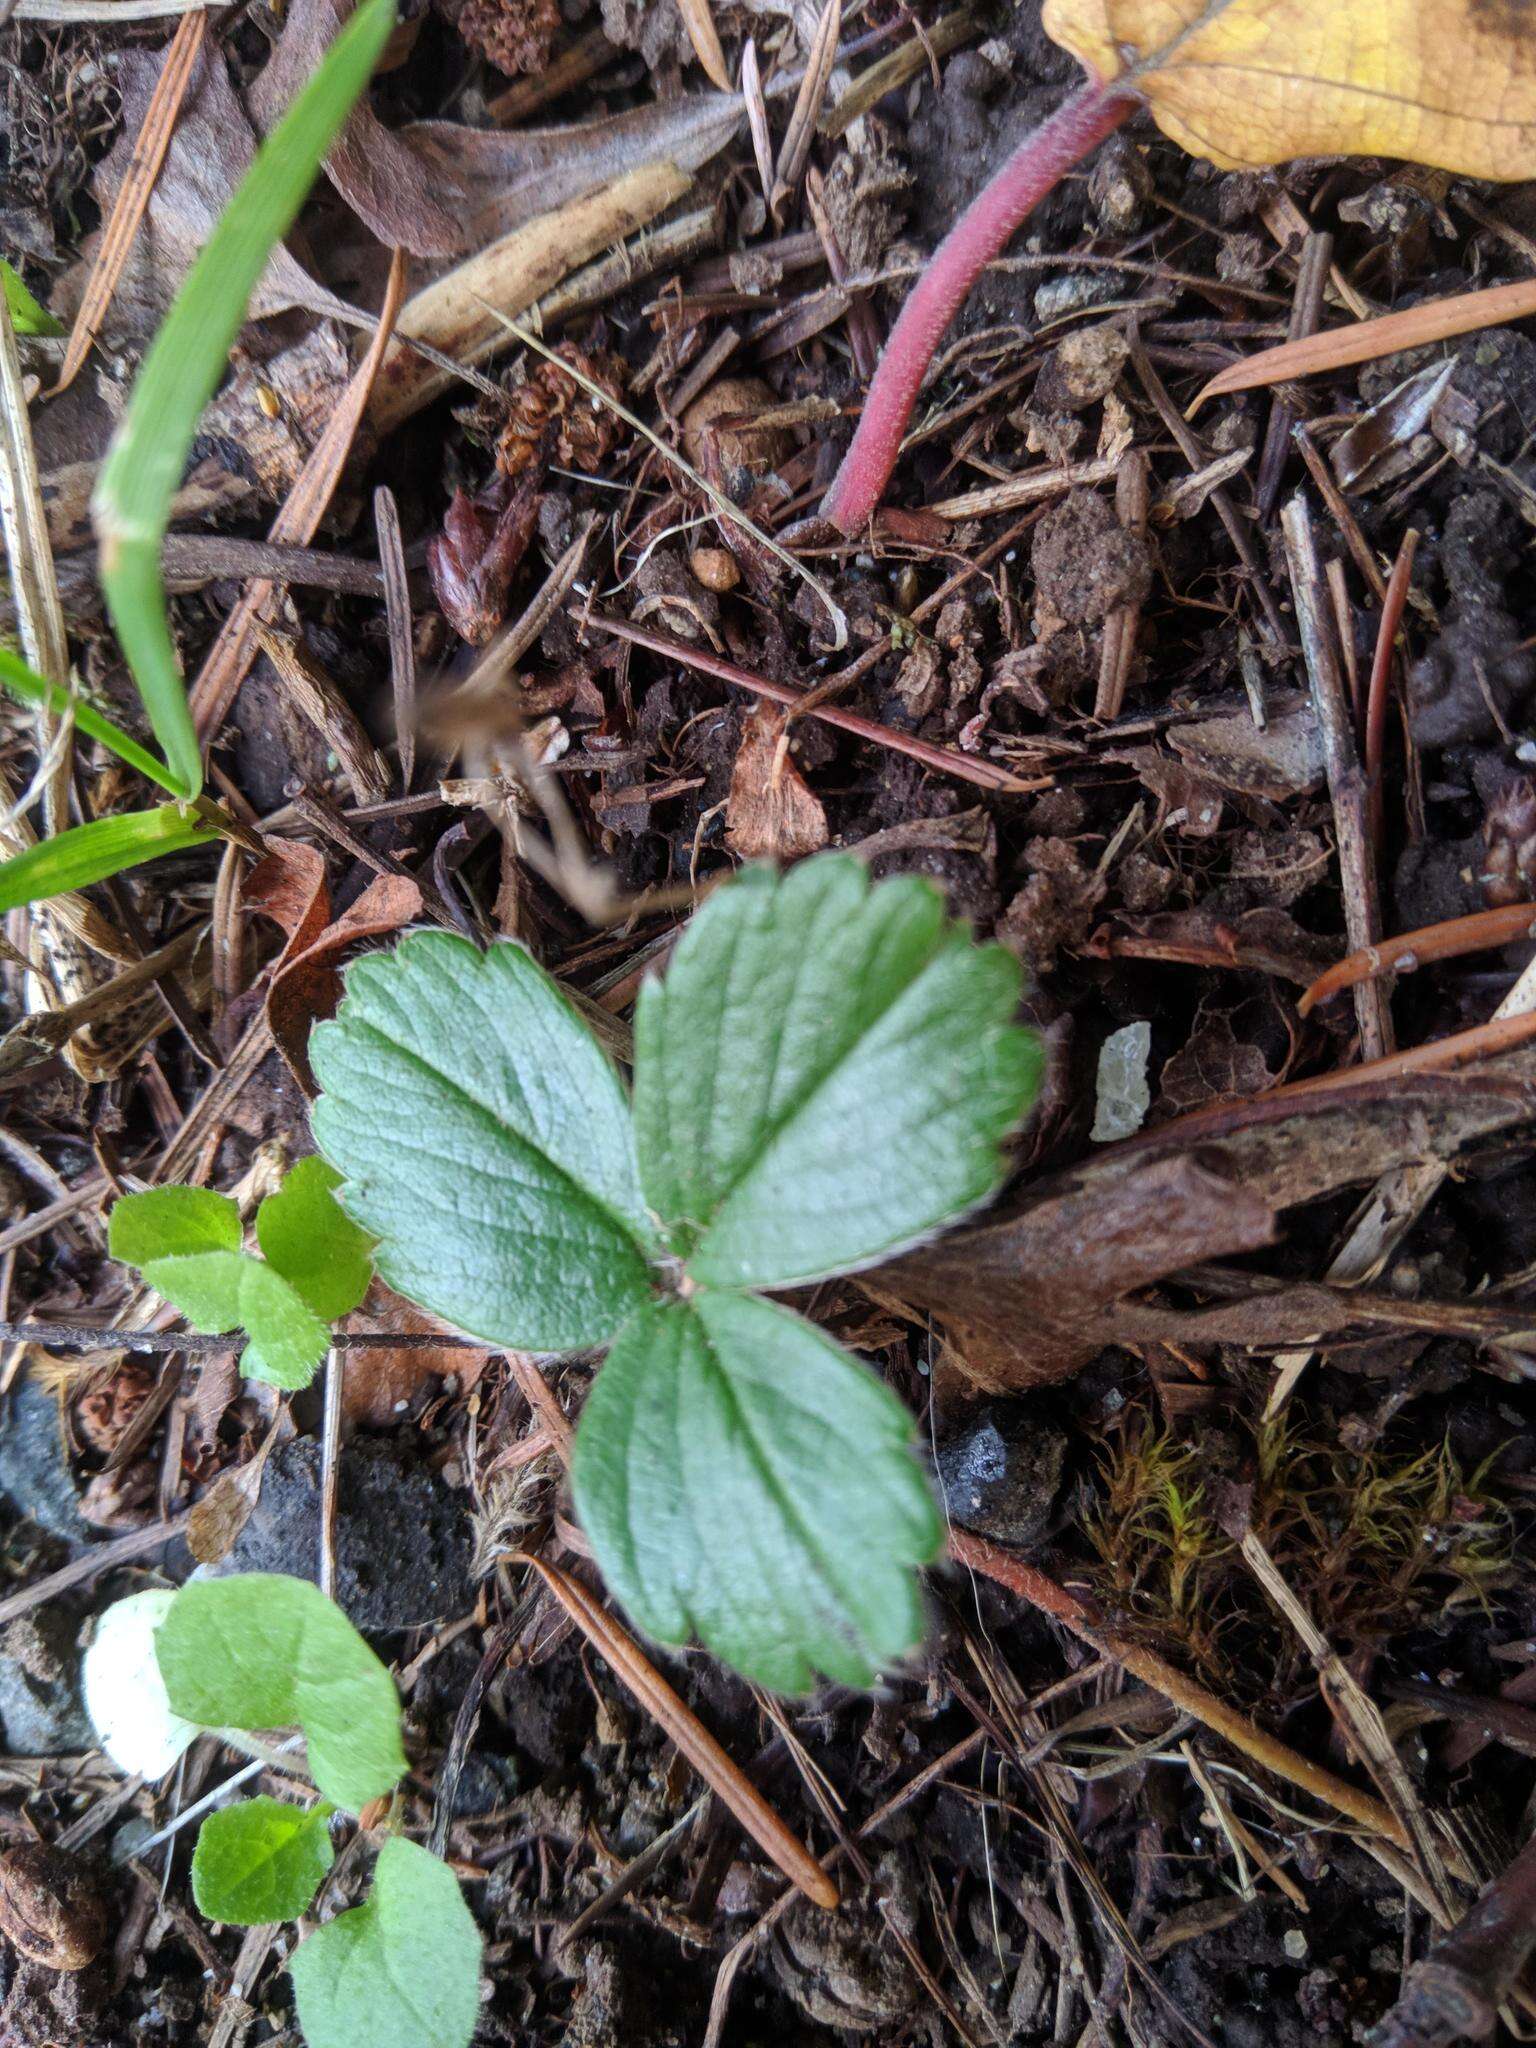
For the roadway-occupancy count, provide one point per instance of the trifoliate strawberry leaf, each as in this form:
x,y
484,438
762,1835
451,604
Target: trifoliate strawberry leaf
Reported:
x,y
485,1141
172,1223
306,1236
825,1076
266,1651
400,1971
743,1479
260,1861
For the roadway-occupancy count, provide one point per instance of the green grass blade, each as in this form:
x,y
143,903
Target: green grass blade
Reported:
x,y
89,853
32,688
184,364
27,316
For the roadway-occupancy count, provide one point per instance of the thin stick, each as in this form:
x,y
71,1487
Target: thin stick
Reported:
x,y
1446,941
104,1337
1196,455
1340,347
794,152
133,198
397,609
1133,507
946,760
228,661
723,1777
1456,1992
1261,1748
1306,312
1346,787
101,1557
1381,676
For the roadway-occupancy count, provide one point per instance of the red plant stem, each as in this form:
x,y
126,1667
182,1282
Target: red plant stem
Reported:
x,y
982,232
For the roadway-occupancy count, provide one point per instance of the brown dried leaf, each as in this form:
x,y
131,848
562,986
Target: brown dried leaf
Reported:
x,y
209,154
214,1522
771,813
1033,1297
437,188
305,984
381,1382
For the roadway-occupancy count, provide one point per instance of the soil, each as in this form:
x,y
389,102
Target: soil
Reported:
x,y
1034,1846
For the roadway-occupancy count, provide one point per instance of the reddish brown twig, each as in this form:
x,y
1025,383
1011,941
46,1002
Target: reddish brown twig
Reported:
x,y
1381,676
689,1733
133,196
1036,167
1342,346
946,760
228,661
1457,1990
1447,941
1253,1742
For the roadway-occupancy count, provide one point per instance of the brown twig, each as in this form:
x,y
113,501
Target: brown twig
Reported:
x,y
1340,347
1195,454
1458,1988
1133,506
228,661
1306,312
1346,785
1253,1742
685,1729
946,760
1447,941
149,152
397,608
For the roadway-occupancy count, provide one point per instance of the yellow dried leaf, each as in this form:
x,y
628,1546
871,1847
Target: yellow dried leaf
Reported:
x,y
1246,82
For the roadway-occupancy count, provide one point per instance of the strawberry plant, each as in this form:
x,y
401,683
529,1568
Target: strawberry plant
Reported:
x,y
824,1078
243,1656
315,1266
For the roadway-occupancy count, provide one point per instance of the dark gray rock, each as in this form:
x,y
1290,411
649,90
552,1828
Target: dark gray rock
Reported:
x,y
34,1468
1000,1468
41,1711
402,1536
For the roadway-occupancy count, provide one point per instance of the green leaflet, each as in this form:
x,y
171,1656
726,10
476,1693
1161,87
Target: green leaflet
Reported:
x,y
172,1223
318,1249
743,1478
484,1139
90,853
825,1075
400,1971
186,1243
27,316
185,361
265,1651
260,1861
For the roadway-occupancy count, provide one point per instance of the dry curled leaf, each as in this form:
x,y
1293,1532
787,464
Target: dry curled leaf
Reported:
x,y
771,812
439,188
1247,82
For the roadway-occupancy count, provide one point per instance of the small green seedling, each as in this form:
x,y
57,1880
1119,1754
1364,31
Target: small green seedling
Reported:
x,y
27,316
134,495
824,1078
243,1656
315,1266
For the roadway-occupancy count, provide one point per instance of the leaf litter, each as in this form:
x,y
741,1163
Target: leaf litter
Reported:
x,y
1173,873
